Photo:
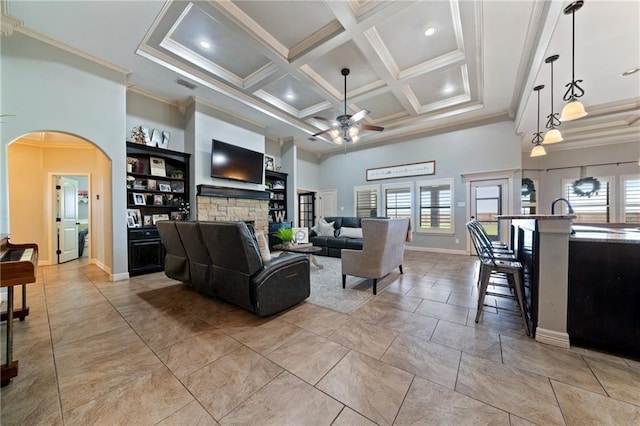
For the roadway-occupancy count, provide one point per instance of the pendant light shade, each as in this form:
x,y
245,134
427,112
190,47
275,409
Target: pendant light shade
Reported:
x,y
553,135
573,111
574,108
538,150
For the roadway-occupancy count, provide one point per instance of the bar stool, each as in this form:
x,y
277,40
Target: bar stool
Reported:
x,y
511,270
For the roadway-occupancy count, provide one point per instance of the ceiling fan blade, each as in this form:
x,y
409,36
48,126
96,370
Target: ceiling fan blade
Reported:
x,y
359,115
370,127
319,133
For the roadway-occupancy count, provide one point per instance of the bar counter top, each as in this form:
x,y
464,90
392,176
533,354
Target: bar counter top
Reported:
x,y
537,216
607,235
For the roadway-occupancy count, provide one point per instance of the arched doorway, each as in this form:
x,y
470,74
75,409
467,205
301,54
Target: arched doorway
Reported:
x,y
36,163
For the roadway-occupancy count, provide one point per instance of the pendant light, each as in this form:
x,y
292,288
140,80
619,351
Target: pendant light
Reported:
x,y
553,135
538,150
574,108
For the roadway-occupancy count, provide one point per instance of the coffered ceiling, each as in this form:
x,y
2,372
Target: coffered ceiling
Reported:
x,y
277,64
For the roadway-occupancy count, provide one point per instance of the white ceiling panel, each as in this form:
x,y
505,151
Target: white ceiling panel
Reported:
x,y
293,92
196,26
310,17
410,47
438,85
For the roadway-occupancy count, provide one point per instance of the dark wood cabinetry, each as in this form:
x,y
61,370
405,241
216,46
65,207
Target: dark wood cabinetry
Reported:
x,y
157,189
276,186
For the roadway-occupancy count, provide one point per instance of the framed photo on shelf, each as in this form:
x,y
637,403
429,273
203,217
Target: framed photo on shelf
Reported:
x,y
164,187
157,166
158,200
138,199
151,184
133,218
269,162
301,235
177,216
147,220
159,217
177,186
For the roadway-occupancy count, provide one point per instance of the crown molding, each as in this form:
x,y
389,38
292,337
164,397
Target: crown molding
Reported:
x,y
131,87
55,43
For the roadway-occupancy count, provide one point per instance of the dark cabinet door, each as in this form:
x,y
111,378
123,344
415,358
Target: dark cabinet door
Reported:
x,y
145,256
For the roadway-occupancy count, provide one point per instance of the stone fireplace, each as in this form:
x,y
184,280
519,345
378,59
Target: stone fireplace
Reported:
x,y
217,203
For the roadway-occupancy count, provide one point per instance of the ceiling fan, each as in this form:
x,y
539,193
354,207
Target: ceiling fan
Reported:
x,y
345,128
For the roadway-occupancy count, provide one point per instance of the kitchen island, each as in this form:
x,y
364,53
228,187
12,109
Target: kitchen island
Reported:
x,y
604,288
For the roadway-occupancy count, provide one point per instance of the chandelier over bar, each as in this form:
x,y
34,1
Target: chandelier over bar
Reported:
x,y
553,135
538,149
574,108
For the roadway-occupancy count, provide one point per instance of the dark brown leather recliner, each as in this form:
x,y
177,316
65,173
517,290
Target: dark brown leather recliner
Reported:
x,y
199,262
176,263
241,277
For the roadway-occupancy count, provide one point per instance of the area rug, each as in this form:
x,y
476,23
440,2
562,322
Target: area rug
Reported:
x,y
327,291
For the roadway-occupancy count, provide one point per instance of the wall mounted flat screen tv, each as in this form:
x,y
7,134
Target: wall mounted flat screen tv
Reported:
x,y
236,163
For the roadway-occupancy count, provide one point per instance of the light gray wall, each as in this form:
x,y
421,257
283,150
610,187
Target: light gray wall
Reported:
x,y
308,171
208,127
289,158
480,149
145,111
272,148
48,89
549,182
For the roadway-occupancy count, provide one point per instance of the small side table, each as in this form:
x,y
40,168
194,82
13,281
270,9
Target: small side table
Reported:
x,y
308,250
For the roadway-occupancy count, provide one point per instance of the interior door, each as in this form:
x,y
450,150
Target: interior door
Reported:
x,y
306,209
328,203
490,198
68,214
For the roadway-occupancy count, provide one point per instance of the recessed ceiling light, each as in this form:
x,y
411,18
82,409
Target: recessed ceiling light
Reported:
x,y
205,44
447,89
630,71
429,32
289,96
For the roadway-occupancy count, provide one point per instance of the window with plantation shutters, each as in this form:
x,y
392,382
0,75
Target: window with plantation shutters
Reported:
x,y
594,209
436,206
366,200
631,199
397,201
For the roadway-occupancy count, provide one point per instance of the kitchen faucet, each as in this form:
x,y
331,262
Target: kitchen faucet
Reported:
x,y
553,205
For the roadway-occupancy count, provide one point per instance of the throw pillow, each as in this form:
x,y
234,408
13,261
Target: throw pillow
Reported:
x,y
351,232
325,229
263,246
316,228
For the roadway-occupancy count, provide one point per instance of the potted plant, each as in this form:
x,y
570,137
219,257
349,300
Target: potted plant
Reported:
x,y
177,173
286,235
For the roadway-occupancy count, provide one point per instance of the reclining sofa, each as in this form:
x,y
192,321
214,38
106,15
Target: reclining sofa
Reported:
x,y
221,259
347,234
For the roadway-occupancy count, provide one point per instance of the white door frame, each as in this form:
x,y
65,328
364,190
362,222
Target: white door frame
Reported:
x,y
509,174
51,215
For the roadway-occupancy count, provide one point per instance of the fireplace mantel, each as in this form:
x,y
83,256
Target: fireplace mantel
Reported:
x,y
226,192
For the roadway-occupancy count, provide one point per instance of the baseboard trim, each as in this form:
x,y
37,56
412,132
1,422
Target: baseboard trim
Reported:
x,y
553,338
435,250
119,277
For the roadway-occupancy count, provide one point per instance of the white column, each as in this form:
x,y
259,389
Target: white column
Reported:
x,y
554,235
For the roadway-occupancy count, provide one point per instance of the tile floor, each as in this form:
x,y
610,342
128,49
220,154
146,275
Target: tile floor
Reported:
x,y
151,351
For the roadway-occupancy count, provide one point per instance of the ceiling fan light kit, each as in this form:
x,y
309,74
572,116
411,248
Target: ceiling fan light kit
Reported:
x,y
574,108
346,128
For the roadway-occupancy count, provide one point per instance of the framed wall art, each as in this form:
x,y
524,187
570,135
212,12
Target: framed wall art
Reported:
x,y
403,170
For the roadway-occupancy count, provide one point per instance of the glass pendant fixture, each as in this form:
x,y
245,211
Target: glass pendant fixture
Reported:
x,y
553,135
538,150
574,108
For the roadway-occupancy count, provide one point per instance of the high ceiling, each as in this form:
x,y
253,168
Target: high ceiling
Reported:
x,y
277,64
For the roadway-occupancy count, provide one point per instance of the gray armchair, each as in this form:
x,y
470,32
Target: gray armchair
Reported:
x,y
382,250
